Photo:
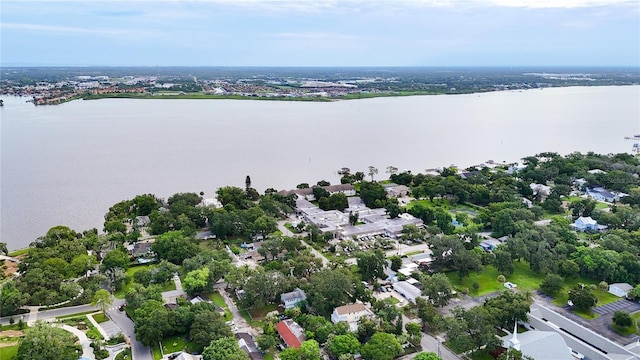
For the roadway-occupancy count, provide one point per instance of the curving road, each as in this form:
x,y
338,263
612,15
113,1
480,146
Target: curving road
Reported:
x,y
139,351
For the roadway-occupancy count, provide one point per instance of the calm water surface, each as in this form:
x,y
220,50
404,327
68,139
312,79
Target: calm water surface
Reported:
x,y
67,164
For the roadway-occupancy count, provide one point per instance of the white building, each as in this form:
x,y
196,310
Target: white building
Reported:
x,y
407,290
351,314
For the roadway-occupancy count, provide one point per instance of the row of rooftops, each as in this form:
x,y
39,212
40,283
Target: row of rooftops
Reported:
x,y
375,221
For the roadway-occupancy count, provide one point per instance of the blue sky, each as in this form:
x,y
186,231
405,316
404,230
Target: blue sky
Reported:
x,y
321,33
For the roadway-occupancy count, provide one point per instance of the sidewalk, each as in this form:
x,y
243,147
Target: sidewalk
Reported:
x,y
87,350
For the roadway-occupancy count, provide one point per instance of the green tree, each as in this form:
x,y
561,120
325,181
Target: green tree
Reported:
x,y
396,262
371,265
503,261
437,288
342,344
552,284
427,356
151,322
45,342
11,298
3,248
265,342
175,247
225,348
381,346
208,326
310,350
507,306
582,299
329,289
117,258
196,281
622,319
102,299
232,195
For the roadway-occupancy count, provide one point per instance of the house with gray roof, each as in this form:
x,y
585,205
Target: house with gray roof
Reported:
x,y
292,299
620,289
407,290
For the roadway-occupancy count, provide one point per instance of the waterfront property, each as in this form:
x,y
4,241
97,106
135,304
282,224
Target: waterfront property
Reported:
x,y
373,221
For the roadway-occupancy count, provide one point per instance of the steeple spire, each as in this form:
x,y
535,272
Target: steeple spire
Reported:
x,y
514,342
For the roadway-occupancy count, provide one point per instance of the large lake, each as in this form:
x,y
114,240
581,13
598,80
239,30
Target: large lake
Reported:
x,y
67,164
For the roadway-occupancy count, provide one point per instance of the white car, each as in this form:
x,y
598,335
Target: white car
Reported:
x,y
510,285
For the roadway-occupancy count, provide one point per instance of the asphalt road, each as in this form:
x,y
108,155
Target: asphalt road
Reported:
x,y
139,351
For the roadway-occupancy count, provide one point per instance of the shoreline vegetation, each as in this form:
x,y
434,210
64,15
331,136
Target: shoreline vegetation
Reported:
x,y
268,97
51,86
496,237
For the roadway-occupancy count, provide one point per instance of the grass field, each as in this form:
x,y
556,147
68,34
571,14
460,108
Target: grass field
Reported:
x,y
488,279
170,345
8,352
526,280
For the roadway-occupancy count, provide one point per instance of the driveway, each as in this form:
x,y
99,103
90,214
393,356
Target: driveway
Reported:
x,y
241,324
139,351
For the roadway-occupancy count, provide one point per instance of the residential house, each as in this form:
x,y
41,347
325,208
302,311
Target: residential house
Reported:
x,y
540,191
292,299
587,224
351,314
602,194
248,345
620,289
394,190
291,333
140,249
347,189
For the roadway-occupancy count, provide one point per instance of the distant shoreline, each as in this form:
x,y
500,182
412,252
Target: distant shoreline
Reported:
x,y
353,96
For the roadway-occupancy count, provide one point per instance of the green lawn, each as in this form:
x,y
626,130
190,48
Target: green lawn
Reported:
x,y
601,205
19,252
170,345
100,318
218,300
488,279
260,313
9,352
428,203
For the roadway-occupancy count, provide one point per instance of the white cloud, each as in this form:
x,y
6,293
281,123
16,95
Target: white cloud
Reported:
x,y
71,29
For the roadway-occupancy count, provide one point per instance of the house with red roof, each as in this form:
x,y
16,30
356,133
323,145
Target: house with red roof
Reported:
x,y
291,333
